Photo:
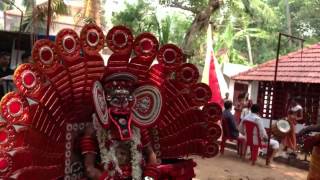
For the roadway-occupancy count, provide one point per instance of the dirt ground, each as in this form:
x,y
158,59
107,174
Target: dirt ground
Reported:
x,y
230,167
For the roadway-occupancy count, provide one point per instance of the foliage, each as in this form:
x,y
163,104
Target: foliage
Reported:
x,y
140,17
6,5
143,17
37,17
236,23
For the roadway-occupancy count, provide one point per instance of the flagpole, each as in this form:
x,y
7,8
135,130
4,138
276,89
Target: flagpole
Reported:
x,y
48,18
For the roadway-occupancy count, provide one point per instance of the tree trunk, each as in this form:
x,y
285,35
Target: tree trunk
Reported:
x,y
249,49
288,21
199,23
92,10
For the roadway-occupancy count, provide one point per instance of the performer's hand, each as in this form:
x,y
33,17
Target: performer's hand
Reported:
x,y
93,172
151,171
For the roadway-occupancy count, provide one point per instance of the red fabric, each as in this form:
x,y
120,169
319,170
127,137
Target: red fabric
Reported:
x,y
214,83
290,139
179,171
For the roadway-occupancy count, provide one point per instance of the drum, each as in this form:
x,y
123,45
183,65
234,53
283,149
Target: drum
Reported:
x,y
314,169
280,129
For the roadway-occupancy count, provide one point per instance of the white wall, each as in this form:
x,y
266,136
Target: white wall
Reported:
x,y
253,91
231,88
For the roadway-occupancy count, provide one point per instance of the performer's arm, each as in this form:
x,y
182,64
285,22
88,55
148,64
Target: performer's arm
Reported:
x,y
150,169
150,155
89,152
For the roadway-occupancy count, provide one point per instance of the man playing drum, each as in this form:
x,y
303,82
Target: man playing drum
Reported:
x,y
254,117
295,114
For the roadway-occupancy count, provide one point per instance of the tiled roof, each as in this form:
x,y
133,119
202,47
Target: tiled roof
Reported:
x,y
291,68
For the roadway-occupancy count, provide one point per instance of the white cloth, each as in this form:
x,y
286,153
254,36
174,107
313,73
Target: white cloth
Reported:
x,y
252,117
244,113
296,108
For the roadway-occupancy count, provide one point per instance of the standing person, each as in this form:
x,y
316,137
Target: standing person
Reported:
x,y
254,117
238,107
246,109
226,98
4,69
295,114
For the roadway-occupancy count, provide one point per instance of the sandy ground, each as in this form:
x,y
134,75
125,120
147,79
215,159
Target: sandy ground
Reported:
x,y
230,167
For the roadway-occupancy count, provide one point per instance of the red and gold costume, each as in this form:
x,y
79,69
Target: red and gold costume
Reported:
x,y
73,117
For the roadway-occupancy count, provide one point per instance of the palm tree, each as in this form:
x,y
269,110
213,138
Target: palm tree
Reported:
x,y
237,22
92,13
36,16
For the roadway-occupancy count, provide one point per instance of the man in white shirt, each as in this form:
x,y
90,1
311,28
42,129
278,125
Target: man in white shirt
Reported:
x,y
254,117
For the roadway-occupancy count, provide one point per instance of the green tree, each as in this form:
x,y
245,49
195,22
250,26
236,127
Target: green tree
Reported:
x,y
201,13
245,31
6,5
140,17
36,16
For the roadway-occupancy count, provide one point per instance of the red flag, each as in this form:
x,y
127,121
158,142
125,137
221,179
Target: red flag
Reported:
x,y
212,74
214,83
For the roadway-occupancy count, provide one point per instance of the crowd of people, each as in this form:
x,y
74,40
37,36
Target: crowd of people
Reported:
x,y
246,111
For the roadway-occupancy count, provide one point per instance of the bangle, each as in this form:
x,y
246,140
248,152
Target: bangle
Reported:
x,y
88,145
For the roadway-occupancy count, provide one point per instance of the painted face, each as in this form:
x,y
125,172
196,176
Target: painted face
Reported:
x,y
120,101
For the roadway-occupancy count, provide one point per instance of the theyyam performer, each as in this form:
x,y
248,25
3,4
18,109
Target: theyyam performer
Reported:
x,y
72,117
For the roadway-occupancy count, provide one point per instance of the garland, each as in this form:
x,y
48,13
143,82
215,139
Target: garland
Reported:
x,y
108,155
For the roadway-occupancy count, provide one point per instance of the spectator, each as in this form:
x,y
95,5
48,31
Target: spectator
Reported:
x,y
240,104
229,119
226,98
4,69
26,58
254,117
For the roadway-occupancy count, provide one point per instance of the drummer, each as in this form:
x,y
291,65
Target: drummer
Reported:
x,y
254,117
295,114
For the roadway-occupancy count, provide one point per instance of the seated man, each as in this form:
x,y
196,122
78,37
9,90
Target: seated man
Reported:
x,y
229,120
254,117
230,126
